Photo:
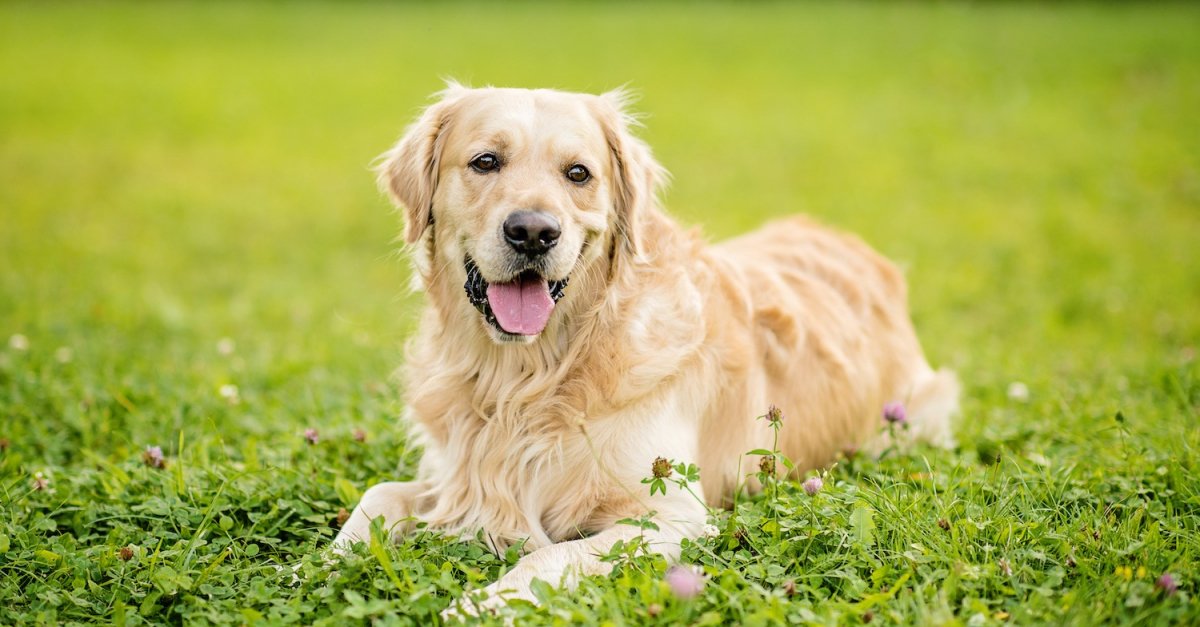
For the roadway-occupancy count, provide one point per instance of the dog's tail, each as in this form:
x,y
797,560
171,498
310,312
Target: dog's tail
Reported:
x,y
932,407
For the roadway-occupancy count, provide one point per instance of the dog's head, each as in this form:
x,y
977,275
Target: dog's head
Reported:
x,y
513,192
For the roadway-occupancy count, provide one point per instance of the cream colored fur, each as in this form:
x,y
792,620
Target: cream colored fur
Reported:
x,y
662,346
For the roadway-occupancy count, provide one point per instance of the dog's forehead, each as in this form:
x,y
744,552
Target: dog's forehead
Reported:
x,y
528,116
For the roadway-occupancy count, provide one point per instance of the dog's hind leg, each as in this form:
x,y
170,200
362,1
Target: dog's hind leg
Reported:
x,y
932,406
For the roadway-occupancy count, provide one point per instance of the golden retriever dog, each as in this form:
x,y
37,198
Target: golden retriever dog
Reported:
x,y
574,333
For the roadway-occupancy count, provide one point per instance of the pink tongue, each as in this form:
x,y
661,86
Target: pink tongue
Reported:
x,y
522,306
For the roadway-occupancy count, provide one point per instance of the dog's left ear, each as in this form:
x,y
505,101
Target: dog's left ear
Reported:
x,y
637,177
409,171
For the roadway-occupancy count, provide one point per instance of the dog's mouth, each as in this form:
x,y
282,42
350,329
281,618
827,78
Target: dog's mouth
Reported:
x,y
520,306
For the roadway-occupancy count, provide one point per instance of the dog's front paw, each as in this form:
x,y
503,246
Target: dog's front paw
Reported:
x,y
491,599
472,606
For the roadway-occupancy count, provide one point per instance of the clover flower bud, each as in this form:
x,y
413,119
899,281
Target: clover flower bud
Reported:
x,y
685,582
894,413
153,457
661,468
766,465
1167,584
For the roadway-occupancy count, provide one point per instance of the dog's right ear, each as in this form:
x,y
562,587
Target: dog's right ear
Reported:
x,y
409,171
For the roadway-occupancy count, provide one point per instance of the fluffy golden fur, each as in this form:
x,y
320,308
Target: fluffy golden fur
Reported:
x,y
661,346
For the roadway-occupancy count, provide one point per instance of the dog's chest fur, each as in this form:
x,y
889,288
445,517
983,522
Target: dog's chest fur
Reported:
x,y
504,449
535,480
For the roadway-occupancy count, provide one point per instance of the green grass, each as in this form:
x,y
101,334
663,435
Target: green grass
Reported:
x,y
176,174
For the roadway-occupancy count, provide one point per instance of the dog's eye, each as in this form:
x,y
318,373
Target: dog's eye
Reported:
x,y
485,163
578,173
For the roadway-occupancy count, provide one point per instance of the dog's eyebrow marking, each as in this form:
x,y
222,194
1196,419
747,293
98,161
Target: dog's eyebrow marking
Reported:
x,y
503,139
568,142
579,159
499,142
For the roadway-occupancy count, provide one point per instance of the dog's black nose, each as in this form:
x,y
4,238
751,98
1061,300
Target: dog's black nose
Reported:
x,y
531,233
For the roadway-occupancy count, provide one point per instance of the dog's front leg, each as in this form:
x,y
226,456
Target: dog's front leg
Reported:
x,y
679,516
392,500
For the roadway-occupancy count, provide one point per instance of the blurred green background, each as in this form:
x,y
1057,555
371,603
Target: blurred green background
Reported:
x,y
175,174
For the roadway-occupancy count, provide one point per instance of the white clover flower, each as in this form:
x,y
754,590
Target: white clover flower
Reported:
x,y
711,531
18,342
229,392
1018,391
226,346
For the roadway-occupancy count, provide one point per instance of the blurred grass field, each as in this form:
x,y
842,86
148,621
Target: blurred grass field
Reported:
x,y
172,175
